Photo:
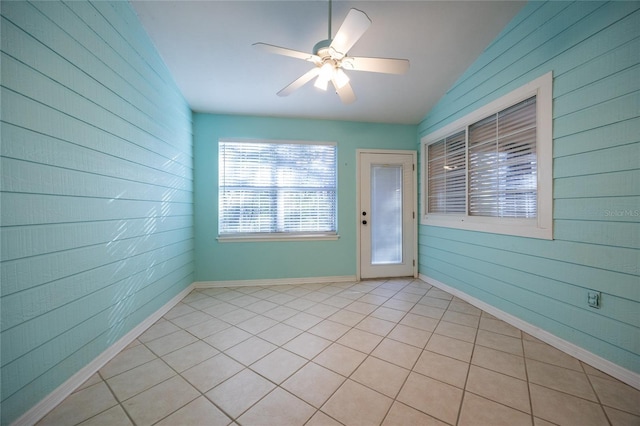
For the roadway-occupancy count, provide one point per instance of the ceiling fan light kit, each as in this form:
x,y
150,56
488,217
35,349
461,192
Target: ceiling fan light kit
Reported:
x,y
330,58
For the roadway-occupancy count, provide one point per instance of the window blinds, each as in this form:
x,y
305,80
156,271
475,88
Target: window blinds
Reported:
x,y
502,163
276,188
488,169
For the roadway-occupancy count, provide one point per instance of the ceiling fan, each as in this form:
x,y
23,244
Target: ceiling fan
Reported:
x,y
330,58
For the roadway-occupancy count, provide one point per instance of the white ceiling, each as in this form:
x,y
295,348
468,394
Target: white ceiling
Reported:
x,y
207,46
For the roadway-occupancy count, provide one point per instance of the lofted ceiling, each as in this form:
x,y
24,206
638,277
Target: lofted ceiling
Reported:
x,y
207,46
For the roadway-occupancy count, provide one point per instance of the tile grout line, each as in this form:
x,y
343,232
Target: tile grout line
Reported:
x,y
177,374
526,376
356,368
466,379
367,355
234,419
602,406
245,367
126,413
395,399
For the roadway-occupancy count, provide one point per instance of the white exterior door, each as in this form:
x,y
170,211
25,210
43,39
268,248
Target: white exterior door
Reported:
x,y
387,214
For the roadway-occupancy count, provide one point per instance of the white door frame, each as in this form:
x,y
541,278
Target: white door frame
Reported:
x,y
414,197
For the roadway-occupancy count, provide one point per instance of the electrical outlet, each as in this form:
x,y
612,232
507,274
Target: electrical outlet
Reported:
x,y
593,299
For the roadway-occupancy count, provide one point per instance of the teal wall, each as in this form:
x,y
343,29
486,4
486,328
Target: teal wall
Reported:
x,y
593,49
96,203
264,260
100,189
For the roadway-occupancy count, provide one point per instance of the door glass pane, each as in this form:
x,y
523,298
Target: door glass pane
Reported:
x,y
386,214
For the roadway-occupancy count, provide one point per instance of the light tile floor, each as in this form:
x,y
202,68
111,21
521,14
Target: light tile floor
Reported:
x,y
394,352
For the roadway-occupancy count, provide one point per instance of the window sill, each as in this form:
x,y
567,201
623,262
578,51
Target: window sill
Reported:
x,y
529,228
275,237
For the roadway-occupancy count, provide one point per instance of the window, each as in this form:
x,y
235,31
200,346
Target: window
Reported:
x,y
276,190
491,170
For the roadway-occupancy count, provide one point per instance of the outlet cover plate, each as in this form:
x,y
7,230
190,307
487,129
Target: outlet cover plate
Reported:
x,y
593,299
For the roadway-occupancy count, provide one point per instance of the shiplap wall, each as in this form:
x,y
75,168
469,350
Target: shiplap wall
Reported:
x,y
96,201
593,49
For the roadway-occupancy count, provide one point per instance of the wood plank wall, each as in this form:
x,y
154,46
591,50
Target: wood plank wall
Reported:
x,y
96,201
593,49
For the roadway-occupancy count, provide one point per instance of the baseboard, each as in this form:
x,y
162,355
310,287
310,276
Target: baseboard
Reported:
x,y
275,281
627,376
51,401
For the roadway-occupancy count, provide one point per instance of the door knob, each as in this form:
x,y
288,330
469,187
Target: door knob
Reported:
x,y
364,222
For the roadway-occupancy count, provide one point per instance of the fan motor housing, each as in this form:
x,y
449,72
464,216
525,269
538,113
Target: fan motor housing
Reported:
x,y
322,48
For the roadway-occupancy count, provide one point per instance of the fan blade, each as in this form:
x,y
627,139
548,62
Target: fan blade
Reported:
x,y
288,52
345,92
353,27
304,79
383,65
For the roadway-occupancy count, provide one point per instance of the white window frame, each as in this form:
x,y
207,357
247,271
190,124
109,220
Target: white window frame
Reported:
x,y
282,236
539,227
